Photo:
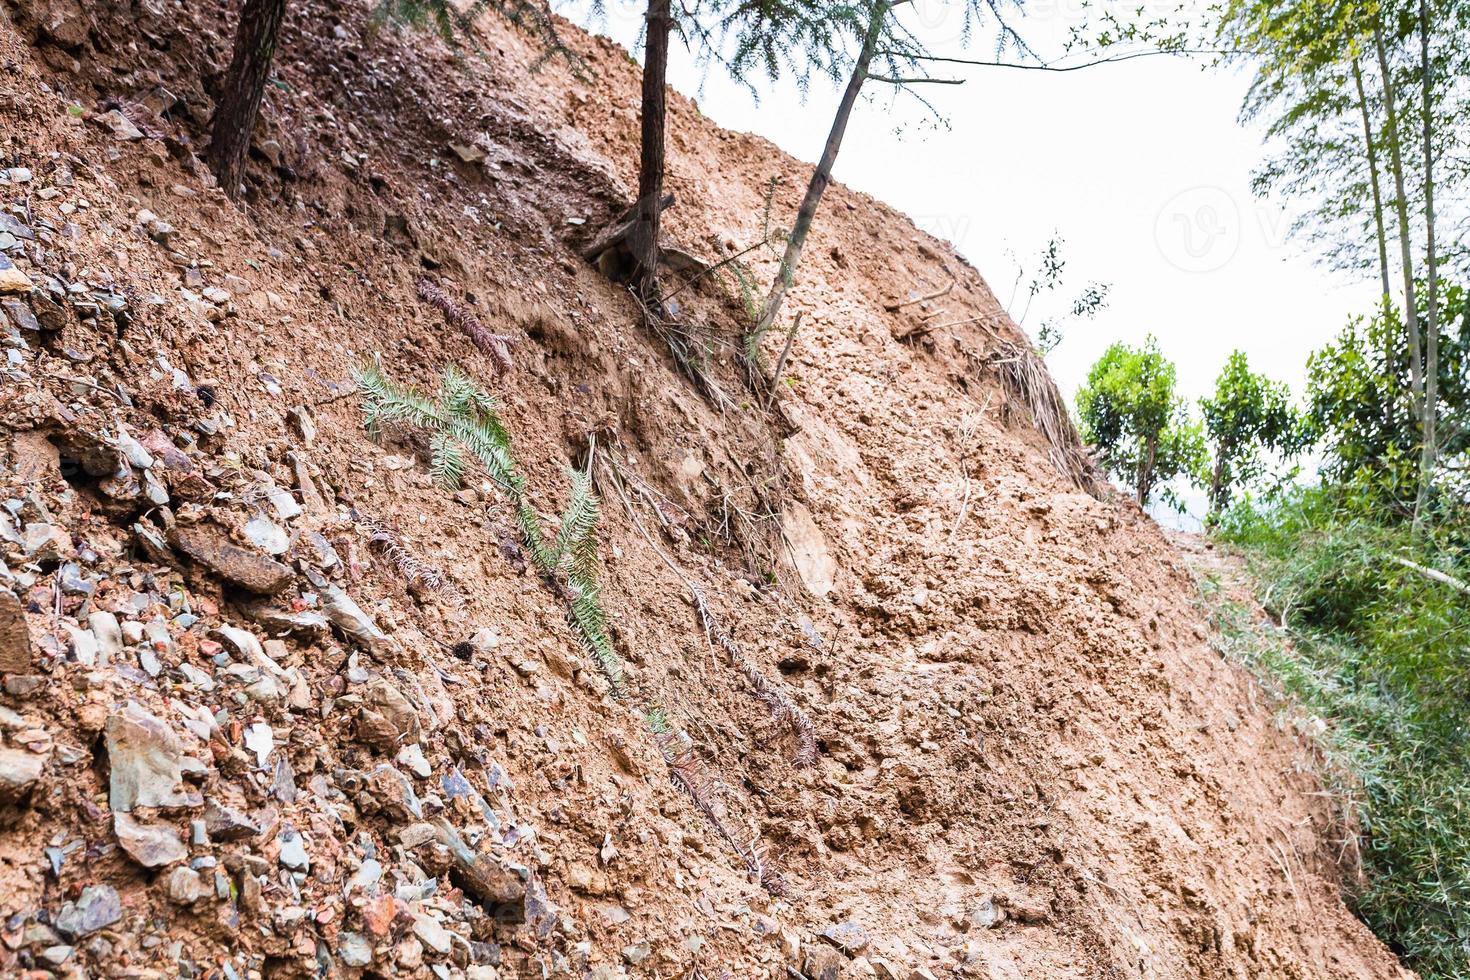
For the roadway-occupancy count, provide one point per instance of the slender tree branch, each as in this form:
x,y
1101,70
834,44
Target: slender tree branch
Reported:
x,y
1054,67
915,81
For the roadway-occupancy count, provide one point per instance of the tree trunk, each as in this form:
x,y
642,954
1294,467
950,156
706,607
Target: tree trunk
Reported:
x,y
643,239
1390,355
1217,485
250,68
822,175
1401,205
1146,471
1372,149
1429,455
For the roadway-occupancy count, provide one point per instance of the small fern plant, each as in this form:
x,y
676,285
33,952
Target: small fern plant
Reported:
x,y
464,425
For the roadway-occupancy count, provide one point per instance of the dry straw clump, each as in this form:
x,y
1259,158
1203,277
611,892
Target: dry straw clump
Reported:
x,y
1026,381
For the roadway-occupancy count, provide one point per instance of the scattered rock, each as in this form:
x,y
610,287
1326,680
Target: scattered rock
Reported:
x,y
431,932
185,886
498,888
411,757
348,617
63,22
354,949
388,720
1028,910
50,315
225,823
12,280
108,632
293,851
846,936
267,535
260,740
467,153
151,845
809,553
389,791
986,914
308,623
20,770
13,226
821,962
96,908
21,315
57,955
46,542
248,569
119,125
378,915
145,760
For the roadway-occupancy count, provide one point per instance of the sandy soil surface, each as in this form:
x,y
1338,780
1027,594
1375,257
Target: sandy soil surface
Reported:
x,y
1029,762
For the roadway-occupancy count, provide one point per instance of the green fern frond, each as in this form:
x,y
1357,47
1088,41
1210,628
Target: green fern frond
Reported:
x,y
585,613
533,538
387,402
657,720
446,462
578,521
464,421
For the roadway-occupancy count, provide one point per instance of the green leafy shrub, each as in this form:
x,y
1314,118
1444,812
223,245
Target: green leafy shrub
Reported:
x,y
1139,425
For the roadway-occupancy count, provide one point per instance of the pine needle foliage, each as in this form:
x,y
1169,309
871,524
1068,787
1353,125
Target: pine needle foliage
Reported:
x,y
438,16
451,23
464,425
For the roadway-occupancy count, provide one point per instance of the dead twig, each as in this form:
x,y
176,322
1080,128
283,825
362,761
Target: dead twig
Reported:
x,y
1433,574
968,428
711,269
895,307
778,703
494,345
689,774
420,575
781,361
984,320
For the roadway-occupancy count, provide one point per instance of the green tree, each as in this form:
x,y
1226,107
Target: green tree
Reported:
x,y
1139,426
884,49
1360,402
1371,105
1248,417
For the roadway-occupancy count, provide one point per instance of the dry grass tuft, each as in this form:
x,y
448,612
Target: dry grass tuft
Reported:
x,y
1025,379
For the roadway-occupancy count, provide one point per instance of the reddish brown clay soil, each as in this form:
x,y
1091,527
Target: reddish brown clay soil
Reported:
x,y
1030,764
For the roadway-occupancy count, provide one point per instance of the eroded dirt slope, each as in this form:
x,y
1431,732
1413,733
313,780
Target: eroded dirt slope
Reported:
x,y
238,744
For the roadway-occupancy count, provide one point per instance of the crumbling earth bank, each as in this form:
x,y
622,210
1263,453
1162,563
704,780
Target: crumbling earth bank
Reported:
x,y
244,735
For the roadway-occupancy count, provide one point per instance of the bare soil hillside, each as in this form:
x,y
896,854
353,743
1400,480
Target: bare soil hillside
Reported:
x,y
274,704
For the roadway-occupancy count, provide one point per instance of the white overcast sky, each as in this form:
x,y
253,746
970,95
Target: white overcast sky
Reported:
x,y
1141,167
